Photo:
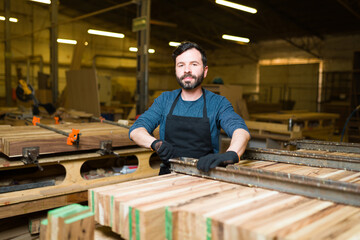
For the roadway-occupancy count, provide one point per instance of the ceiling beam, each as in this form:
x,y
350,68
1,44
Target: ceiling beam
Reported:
x,y
351,6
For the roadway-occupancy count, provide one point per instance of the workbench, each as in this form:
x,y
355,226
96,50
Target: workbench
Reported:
x,y
59,174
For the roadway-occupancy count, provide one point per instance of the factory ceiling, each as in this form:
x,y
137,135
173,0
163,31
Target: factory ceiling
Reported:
x,y
205,22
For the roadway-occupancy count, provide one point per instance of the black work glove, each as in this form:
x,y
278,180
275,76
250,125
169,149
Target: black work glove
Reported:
x,y
212,160
163,149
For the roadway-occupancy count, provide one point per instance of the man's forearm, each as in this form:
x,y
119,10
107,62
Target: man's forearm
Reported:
x,y
239,141
141,137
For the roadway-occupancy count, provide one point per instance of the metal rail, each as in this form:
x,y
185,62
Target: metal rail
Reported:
x,y
75,139
109,122
327,146
325,189
303,158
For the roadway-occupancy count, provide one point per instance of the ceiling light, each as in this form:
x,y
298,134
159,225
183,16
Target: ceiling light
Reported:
x,y
42,1
2,18
66,41
236,6
134,49
105,33
235,38
174,44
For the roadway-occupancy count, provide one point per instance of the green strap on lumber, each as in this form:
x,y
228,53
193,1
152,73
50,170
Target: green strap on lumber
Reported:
x,y
92,201
79,217
168,224
111,210
208,229
44,222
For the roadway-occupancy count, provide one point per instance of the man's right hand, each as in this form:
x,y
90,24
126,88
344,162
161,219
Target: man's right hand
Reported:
x,y
163,149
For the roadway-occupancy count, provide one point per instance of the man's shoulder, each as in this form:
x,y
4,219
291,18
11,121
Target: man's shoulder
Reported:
x,y
167,96
213,96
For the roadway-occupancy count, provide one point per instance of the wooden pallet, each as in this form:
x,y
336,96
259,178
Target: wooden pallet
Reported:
x,y
179,206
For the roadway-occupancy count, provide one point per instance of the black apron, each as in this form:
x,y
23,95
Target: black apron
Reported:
x,y
190,136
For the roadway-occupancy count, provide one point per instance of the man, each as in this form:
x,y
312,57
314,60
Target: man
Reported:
x,y
190,118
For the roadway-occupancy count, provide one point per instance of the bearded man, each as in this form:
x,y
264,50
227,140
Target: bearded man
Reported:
x,y
191,117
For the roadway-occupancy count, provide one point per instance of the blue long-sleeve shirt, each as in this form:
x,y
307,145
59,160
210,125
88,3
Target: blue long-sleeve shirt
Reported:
x,y
219,111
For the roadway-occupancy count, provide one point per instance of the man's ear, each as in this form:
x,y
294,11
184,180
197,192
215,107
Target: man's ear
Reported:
x,y
205,71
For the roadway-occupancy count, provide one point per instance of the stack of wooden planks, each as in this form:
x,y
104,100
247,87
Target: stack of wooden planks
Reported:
x,y
178,206
14,139
313,125
277,131
70,222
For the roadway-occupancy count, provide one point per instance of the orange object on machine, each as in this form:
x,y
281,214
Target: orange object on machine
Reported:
x,y
35,120
73,136
101,119
56,120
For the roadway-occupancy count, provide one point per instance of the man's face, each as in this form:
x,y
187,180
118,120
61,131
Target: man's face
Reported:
x,y
189,69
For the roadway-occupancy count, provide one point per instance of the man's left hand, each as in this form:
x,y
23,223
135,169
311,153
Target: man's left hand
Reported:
x,y
209,161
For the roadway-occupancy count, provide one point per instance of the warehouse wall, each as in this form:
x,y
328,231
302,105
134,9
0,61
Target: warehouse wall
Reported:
x,y
241,65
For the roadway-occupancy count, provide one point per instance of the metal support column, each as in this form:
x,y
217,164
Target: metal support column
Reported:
x,y
142,70
54,49
7,53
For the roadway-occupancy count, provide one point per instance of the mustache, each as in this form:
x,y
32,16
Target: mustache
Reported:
x,y
188,75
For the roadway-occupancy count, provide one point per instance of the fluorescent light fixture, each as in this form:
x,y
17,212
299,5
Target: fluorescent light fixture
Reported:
x,y
235,38
174,44
42,1
105,33
134,49
2,18
236,6
66,41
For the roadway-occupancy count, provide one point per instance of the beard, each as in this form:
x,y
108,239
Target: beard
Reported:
x,y
188,86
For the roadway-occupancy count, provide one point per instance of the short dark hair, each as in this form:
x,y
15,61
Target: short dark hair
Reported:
x,y
186,45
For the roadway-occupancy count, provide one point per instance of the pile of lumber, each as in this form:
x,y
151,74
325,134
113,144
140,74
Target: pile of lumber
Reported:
x,y
178,206
313,125
14,138
70,222
277,131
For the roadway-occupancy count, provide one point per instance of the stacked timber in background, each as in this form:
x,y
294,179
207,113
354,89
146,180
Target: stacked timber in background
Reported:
x,y
313,125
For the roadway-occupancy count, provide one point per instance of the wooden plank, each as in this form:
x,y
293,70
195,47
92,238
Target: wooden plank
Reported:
x,y
82,91
41,204
198,210
144,210
237,212
150,200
